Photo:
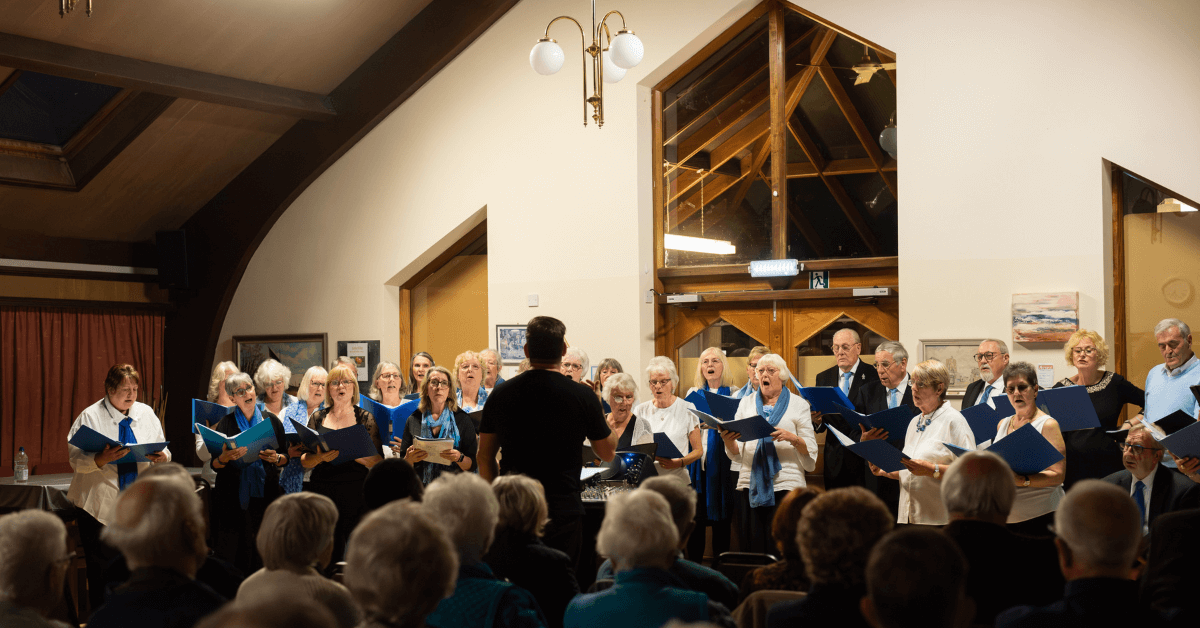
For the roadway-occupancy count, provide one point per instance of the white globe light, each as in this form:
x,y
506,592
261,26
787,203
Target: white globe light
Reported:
x,y
627,50
612,71
887,139
547,57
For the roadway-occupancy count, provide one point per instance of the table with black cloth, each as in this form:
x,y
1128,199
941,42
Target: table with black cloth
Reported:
x,y
44,492
1092,453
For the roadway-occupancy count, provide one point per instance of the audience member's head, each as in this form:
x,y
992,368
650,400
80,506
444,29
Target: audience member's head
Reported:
x,y
979,485
523,507
681,498
1098,529
273,606
464,505
917,577
389,480
836,533
787,520
638,531
33,559
399,565
172,470
158,524
297,532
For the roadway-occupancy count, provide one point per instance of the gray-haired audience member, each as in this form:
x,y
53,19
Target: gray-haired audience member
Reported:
x,y
295,541
711,582
1006,569
465,508
399,565
33,566
158,527
639,536
1098,530
915,578
836,533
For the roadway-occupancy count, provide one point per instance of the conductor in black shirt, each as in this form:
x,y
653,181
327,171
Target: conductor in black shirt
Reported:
x,y
843,468
539,419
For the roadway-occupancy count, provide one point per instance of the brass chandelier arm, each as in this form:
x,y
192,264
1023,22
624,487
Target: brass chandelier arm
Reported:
x,y
583,57
606,16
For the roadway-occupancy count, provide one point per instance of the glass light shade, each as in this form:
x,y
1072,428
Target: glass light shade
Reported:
x,y
775,268
612,71
887,139
627,50
546,58
698,245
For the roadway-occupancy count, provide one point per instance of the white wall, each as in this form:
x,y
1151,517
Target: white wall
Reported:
x,y
1009,110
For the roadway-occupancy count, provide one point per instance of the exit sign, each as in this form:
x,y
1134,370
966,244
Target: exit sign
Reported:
x,y
818,280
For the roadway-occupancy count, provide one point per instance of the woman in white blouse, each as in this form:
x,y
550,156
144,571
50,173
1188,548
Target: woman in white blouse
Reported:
x,y
672,416
770,467
938,423
1038,494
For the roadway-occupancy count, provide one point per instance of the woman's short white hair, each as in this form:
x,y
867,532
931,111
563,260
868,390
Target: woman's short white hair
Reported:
x,y
296,530
638,531
777,361
400,564
726,377
269,371
662,364
623,382
235,380
302,392
31,544
170,524
219,373
576,352
465,507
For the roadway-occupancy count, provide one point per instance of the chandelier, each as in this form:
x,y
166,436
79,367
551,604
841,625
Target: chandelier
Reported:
x,y
65,6
608,64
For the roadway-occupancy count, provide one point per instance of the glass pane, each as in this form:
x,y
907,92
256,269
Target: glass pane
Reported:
x,y
829,232
50,109
732,341
816,354
874,201
875,100
823,119
721,212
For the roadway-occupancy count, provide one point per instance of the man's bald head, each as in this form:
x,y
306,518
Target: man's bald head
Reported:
x,y
1099,529
979,485
157,523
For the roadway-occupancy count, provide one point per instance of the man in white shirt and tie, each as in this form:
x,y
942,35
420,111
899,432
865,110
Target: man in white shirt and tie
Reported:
x,y
992,358
842,468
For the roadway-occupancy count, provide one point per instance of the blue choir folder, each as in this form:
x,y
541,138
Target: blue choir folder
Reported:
x,y
722,407
1026,451
749,429
666,449
207,413
1070,406
894,420
983,420
255,439
352,442
94,442
1183,435
698,400
826,399
386,416
878,452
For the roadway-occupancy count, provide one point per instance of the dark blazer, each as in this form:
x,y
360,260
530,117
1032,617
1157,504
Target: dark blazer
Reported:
x,y
1170,579
872,398
974,389
1171,491
1086,603
825,605
547,573
842,468
999,559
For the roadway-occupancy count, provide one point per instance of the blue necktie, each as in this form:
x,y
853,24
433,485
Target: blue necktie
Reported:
x,y
1140,499
892,402
127,472
985,395
846,383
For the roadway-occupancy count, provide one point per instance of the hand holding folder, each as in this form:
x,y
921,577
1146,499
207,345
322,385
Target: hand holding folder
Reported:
x,y
1026,451
94,442
749,429
255,439
826,399
894,421
878,452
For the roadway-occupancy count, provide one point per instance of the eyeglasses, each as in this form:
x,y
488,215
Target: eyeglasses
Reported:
x,y
1017,389
655,383
837,348
989,356
438,383
572,366
278,382
622,398
768,370
317,384
473,367
387,377
341,382
243,390
921,385
1083,350
883,366
1137,449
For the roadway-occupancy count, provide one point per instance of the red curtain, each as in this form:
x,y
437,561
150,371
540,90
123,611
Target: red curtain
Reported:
x,y
53,362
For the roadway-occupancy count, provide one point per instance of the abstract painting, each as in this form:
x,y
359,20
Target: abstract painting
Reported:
x,y
296,351
1045,316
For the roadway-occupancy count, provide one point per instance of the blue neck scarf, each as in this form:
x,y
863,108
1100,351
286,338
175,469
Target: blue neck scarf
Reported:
x,y
127,472
711,480
447,428
766,461
480,399
744,391
254,476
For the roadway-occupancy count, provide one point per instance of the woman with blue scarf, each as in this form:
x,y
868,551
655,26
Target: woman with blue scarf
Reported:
x,y
242,494
770,467
712,476
438,416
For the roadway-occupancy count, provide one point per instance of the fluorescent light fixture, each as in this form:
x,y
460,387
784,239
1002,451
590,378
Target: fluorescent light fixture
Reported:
x,y
775,268
698,245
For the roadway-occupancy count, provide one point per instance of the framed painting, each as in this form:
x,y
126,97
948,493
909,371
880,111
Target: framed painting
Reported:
x,y
298,352
510,343
1045,316
957,356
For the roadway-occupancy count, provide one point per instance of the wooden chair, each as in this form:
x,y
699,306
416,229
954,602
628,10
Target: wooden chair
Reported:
x,y
735,565
752,612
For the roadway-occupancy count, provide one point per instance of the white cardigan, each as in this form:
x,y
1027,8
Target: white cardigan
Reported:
x,y
794,462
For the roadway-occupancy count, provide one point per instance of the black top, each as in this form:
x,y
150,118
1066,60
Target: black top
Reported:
x,y
545,572
540,419
155,597
1091,453
467,442
1086,603
1005,569
1171,579
825,605
349,471
225,492
625,440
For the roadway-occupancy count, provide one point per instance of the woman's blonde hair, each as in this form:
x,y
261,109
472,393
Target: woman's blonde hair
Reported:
x,y
522,504
726,377
227,368
1101,346
458,362
451,400
930,373
338,373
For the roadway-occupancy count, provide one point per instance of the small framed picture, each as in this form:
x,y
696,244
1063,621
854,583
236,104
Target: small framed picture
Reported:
x,y
957,356
510,342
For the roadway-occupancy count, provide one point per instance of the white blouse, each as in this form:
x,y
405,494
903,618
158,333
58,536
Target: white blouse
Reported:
x,y
921,496
1031,501
677,422
793,462
93,488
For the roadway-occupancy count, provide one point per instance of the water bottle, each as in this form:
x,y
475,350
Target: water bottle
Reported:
x,y
21,467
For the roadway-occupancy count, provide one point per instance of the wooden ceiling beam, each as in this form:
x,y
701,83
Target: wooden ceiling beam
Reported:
x,y
826,173
884,58
806,229
868,141
852,214
835,168
97,67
